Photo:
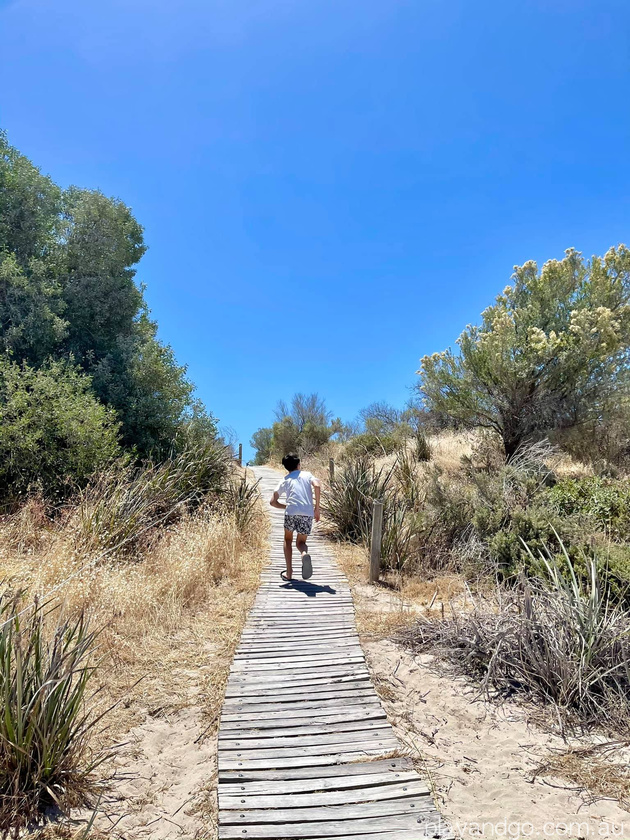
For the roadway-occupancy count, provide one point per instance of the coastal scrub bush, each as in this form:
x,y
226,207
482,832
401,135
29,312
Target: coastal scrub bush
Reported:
x,y
54,433
605,502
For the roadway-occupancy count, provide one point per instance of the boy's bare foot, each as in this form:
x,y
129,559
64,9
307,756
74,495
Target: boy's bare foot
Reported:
x,y
285,576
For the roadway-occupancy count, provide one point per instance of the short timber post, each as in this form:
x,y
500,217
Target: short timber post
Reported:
x,y
240,454
375,545
331,469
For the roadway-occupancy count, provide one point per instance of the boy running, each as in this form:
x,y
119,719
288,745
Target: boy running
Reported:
x,y
298,488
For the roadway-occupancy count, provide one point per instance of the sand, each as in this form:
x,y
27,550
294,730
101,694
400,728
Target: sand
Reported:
x,y
481,756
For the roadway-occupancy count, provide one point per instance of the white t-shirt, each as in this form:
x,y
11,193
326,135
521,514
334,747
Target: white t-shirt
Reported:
x,y
297,487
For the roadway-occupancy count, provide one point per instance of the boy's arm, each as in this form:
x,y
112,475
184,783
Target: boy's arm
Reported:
x,y
275,503
317,487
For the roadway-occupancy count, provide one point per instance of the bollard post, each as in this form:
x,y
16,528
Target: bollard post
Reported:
x,y
240,454
375,544
331,469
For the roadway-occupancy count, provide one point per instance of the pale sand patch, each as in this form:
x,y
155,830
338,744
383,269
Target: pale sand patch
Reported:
x,y
481,757
162,776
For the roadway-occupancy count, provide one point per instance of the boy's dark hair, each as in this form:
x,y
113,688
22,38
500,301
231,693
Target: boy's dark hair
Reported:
x,y
291,462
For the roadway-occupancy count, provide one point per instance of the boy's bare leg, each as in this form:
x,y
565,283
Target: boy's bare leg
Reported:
x,y
288,552
300,544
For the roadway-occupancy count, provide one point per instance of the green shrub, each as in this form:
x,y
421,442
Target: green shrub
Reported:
x,y
53,431
535,526
371,444
602,502
45,758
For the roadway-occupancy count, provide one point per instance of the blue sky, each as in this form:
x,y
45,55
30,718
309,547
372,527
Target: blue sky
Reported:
x,y
329,190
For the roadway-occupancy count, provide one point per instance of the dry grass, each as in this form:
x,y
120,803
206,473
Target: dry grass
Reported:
x,y
398,600
448,448
601,770
171,618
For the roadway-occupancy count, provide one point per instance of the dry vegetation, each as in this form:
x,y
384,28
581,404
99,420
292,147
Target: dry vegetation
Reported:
x,y
555,644
170,617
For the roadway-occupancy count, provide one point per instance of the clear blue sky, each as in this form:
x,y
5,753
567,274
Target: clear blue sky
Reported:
x,y
330,188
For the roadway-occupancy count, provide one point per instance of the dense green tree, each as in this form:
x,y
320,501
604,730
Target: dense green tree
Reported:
x,y
103,244
53,431
68,292
551,353
303,426
262,443
32,326
29,206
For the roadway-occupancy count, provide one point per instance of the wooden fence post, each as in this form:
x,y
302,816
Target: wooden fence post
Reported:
x,y
331,469
240,454
375,544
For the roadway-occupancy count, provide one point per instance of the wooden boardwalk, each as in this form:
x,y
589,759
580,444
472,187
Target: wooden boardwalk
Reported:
x,y
305,748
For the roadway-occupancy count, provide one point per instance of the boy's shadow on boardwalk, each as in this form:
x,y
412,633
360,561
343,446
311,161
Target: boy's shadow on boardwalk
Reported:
x,y
311,590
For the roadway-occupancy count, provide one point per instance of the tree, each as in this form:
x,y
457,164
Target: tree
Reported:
x,y
550,354
68,292
53,430
29,209
31,311
304,426
262,441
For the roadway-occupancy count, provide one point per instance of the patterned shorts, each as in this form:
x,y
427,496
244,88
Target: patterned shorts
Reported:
x,y
295,522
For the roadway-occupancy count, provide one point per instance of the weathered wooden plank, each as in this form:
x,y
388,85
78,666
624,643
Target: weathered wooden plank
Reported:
x,y
270,681
253,665
305,736
325,829
348,811
335,758
390,767
335,700
299,686
437,829
335,694
363,745
414,789
279,725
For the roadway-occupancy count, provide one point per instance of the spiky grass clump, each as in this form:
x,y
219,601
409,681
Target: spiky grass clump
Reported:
x,y
557,641
46,664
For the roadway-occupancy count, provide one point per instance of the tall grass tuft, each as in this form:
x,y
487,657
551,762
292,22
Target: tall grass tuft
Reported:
x,y
124,503
556,640
45,759
348,502
241,498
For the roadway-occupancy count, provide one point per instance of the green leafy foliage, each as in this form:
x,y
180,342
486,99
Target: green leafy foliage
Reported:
x,y
262,443
601,502
53,431
551,352
305,427
68,294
